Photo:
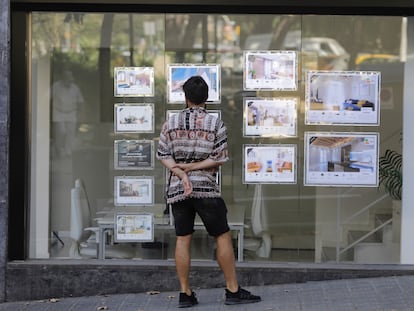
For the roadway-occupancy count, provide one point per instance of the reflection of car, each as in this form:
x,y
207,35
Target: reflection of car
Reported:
x,y
229,57
258,41
330,54
370,59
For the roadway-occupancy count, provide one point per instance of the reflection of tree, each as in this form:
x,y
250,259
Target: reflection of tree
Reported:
x,y
77,17
104,67
174,29
46,33
280,31
181,33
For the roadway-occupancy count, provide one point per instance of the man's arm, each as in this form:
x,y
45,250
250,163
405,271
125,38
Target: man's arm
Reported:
x,y
172,166
201,165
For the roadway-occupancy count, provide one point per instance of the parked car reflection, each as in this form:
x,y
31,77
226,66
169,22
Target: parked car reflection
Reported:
x,y
364,60
329,53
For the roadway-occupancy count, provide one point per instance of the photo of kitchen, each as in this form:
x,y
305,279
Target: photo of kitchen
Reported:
x,y
342,158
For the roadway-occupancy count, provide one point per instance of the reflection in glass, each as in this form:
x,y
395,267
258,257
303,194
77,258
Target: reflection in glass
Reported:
x,y
301,221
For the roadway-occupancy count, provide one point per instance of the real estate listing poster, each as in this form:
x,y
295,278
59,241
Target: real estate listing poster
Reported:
x,y
137,118
134,154
133,81
339,159
177,74
345,97
270,117
269,164
134,190
134,227
270,70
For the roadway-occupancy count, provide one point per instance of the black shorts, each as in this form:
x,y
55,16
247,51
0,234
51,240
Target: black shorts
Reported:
x,y
212,211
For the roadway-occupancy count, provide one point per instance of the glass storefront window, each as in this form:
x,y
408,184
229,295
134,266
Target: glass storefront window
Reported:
x,y
75,155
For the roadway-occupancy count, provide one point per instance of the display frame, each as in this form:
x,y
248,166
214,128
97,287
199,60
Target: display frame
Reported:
x,y
125,81
354,98
281,121
124,197
133,227
219,178
177,74
258,76
133,154
319,170
134,118
281,169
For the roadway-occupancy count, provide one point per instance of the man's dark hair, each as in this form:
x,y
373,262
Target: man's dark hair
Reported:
x,y
196,90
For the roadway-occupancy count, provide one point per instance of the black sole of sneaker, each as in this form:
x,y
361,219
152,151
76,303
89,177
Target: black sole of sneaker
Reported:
x,y
240,302
187,305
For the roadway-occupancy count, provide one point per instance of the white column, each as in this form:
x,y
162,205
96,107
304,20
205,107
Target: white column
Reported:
x,y
39,194
407,213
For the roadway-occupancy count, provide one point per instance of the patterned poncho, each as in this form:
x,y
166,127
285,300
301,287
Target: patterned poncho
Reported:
x,y
193,135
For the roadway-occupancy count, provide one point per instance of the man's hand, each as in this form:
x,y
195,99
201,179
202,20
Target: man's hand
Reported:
x,y
187,184
181,173
186,167
194,166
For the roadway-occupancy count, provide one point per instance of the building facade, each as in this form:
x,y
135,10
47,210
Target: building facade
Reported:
x,y
316,101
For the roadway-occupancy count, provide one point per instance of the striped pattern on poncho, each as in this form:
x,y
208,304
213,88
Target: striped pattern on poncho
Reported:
x,y
193,135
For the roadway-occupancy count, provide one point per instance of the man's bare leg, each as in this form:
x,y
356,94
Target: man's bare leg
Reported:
x,y
183,262
226,260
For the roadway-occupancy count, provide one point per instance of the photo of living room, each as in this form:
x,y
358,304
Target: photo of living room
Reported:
x,y
270,117
275,70
343,97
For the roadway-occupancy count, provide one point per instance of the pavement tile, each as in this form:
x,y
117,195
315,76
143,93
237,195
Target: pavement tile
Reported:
x,y
374,294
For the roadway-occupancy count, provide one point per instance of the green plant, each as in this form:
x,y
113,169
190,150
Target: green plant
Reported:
x,y
253,73
390,173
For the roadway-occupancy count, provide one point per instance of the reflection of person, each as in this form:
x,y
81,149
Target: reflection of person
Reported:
x,y
193,144
254,115
66,99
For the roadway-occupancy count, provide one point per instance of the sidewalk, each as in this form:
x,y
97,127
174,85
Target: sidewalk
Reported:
x,y
370,294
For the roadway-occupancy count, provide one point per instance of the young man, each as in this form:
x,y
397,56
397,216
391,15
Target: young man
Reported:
x,y
193,144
